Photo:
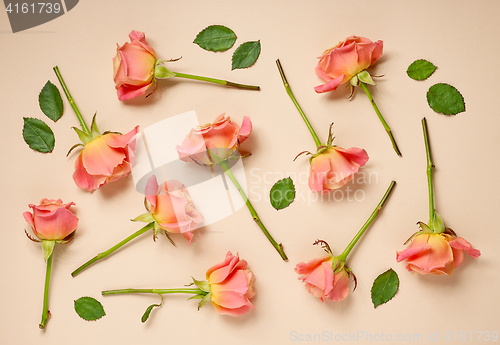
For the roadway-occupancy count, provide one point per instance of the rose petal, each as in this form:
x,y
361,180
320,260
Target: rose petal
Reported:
x,y
120,140
138,64
354,154
331,85
306,268
238,283
460,243
139,38
84,180
320,167
438,257
340,286
221,271
233,312
128,91
245,130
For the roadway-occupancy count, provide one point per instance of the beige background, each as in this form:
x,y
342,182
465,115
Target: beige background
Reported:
x,y
460,37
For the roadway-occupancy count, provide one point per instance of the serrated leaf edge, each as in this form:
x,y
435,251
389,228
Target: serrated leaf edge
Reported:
x,y
215,50
463,99
294,192
232,57
58,94
435,68
371,290
24,118
104,312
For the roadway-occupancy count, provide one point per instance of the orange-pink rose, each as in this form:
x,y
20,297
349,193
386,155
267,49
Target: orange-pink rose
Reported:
x,y
52,220
335,167
231,286
321,281
222,138
172,207
339,64
436,253
134,66
105,159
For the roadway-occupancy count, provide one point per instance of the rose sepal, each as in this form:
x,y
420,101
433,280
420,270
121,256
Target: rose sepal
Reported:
x,y
162,72
48,248
146,218
202,284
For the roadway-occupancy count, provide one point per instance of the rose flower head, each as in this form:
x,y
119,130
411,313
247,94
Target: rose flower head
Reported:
x,y
231,286
214,142
52,220
104,158
326,277
134,67
171,209
435,250
332,166
347,61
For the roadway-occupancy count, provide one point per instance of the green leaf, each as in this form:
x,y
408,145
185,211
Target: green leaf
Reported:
x,y
246,55
445,99
384,287
420,69
146,314
89,308
282,194
38,135
216,38
50,101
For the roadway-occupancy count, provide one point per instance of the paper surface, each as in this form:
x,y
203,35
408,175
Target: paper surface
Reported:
x,y
457,36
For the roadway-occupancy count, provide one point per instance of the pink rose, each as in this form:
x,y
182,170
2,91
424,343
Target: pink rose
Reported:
x,y
436,253
52,220
335,167
321,281
134,66
222,138
339,64
105,159
172,208
231,286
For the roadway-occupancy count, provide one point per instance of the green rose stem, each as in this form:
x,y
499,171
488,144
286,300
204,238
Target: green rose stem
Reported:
x,y
71,101
374,215
279,247
216,81
386,126
430,166
304,117
112,249
194,291
45,312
